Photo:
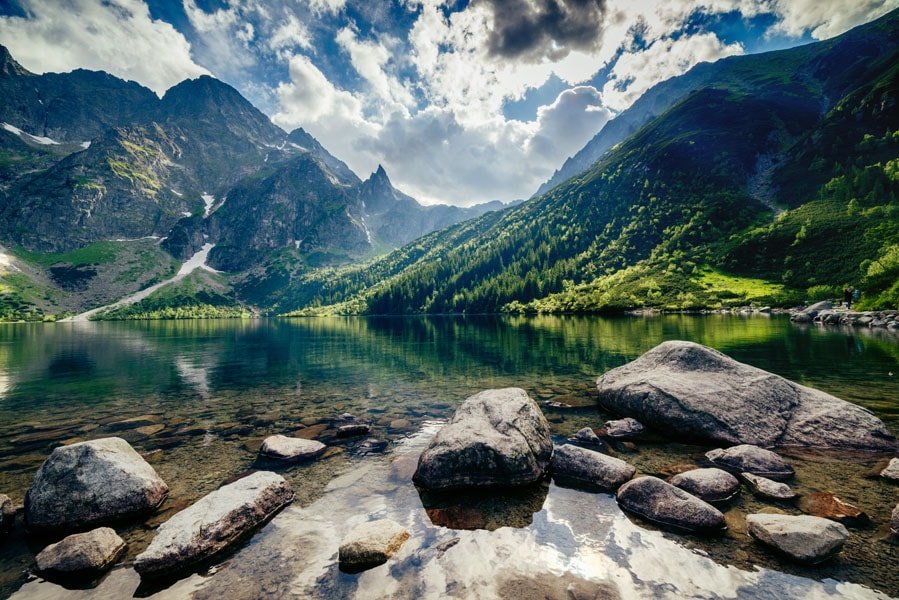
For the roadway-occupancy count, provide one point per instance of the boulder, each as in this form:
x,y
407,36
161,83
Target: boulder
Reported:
x,y
697,392
766,488
747,458
817,307
891,471
587,437
496,438
668,506
81,555
803,538
711,485
828,506
92,483
282,447
623,428
214,523
353,429
7,513
590,467
371,544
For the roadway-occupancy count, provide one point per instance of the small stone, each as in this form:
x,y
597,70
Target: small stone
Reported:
x,y
662,503
623,428
803,538
766,488
400,424
81,555
282,447
828,506
587,437
751,459
372,446
149,430
891,471
711,485
347,417
7,513
589,467
353,429
311,432
135,422
371,544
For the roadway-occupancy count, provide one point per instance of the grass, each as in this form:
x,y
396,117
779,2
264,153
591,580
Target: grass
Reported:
x,y
97,253
747,289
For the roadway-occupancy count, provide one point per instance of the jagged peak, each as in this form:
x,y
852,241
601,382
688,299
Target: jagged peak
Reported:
x,y
380,176
9,66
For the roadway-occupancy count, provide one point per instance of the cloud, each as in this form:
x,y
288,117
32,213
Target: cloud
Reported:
x,y
566,125
826,19
288,35
370,59
544,29
117,36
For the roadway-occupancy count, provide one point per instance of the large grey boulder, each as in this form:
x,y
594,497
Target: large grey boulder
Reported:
x,y
7,513
711,485
496,438
747,458
589,467
92,483
695,391
662,503
281,447
767,488
803,538
371,544
214,522
81,555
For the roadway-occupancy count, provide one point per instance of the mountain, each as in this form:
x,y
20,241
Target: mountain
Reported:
x,y
774,181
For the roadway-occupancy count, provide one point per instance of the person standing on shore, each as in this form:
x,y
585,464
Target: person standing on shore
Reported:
x,y
847,296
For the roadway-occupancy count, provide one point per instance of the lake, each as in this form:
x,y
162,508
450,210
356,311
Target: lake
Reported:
x,y
203,394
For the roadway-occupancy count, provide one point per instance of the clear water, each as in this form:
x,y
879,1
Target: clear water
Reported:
x,y
209,391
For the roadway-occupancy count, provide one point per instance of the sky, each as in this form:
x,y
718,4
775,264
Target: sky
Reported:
x,y
461,101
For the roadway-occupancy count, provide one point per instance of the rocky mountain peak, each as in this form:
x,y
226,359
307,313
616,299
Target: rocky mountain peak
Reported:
x,y
8,65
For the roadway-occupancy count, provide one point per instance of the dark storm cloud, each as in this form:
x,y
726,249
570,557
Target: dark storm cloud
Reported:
x,y
534,29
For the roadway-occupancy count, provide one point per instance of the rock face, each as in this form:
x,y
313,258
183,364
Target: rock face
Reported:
x,y
711,485
828,506
747,458
90,483
496,438
891,471
371,544
766,488
7,513
286,448
590,467
698,392
81,555
666,505
803,538
623,428
214,522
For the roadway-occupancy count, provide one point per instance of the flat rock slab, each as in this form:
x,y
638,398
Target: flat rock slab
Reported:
x,y
697,392
7,513
81,555
496,438
768,488
282,447
891,471
803,538
747,458
214,523
353,429
711,485
371,544
92,483
589,467
623,428
828,506
662,503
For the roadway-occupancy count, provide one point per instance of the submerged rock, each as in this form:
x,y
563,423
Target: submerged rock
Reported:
x,y
590,467
803,538
371,544
828,506
91,483
496,438
353,429
81,555
282,447
623,428
695,391
711,485
767,488
669,506
214,522
7,513
588,437
891,471
747,458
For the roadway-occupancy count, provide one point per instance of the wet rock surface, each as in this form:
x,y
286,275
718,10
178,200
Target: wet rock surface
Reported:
x,y
214,523
711,485
768,488
81,555
587,437
589,468
371,544
803,538
695,391
828,506
664,504
623,428
496,438
91,483
286,448
747,458
7,513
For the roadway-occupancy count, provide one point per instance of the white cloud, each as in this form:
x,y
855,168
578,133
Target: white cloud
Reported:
x,y
289,34
370,59
117,36
826,19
